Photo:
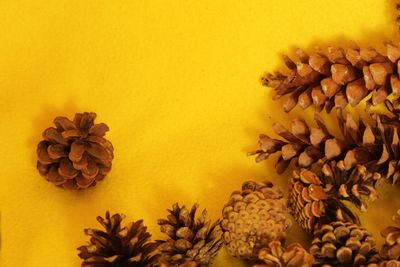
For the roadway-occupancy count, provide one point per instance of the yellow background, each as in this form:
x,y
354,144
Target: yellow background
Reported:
x,y
178,84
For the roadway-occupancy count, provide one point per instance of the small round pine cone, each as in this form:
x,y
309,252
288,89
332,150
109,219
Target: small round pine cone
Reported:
x,y
75,154
275,255
343,244
120,246
191,242
391,248
254,217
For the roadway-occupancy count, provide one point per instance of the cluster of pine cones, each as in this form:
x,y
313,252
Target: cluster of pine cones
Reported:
x,y
332,171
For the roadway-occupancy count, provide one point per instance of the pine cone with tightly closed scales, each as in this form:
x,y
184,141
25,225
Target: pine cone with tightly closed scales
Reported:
x,y
75,154
343,244
190,240
316,198
275,255
119,246
337,77
253,218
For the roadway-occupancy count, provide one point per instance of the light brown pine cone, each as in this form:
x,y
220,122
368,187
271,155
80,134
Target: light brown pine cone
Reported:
x,y
275,255
252,218
337,77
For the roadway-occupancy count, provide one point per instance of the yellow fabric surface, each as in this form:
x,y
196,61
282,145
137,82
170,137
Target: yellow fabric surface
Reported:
x,y
178,82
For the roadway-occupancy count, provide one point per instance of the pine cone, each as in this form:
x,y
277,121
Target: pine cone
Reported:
x,y
190,241
375,144
252,218
75,154
316,199
127,246
343,244
391,263
391,248
293,255
338,76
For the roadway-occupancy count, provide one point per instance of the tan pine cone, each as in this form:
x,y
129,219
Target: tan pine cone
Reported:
x,y
75,154
191,240
374,144
337,77
118,245
390,263
318,198
391,248
275,255
252,218
343,244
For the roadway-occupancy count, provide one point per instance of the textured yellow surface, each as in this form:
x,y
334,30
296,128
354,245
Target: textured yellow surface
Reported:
x,y
178,84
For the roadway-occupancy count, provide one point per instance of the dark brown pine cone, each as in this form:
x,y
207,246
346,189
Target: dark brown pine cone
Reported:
x,y
75,154
374,145
253,218
119,246
337,77
391,248
318,198
191,240
343,244
275,255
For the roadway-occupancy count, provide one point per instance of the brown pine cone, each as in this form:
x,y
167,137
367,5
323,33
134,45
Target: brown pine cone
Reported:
x,y
190,240
75,154
275,255
254,217
391,263
337,76
343,244
374,145
391,248
316,199
120,246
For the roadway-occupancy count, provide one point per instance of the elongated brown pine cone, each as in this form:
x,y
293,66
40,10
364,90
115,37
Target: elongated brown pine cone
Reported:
x,y
390,263
117,245
391,248
318,198
275,255
252,218
337,77
191,240
75,154
343,244
374,144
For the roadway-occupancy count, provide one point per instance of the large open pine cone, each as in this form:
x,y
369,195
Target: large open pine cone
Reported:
x,y
119,246
373,144
338,76
275,255
254,217
391,248
317,198
75,154
191,240
343,244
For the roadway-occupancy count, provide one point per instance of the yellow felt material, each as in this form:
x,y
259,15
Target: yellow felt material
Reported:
x,y
178,82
